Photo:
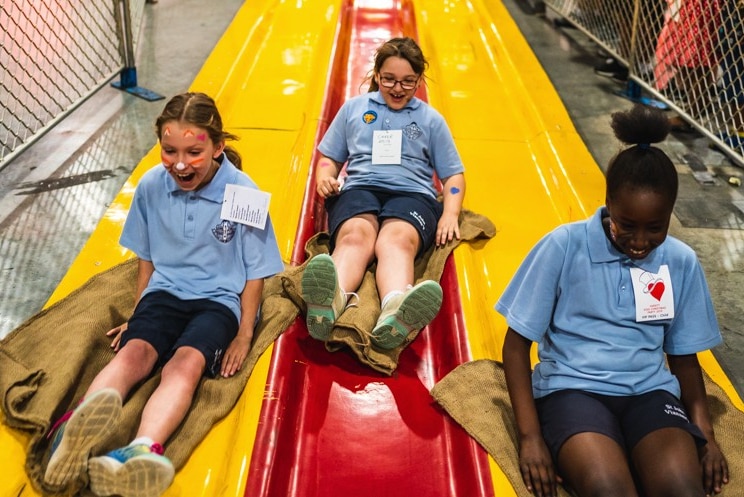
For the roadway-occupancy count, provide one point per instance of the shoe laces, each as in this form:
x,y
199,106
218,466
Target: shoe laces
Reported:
x,y
348,296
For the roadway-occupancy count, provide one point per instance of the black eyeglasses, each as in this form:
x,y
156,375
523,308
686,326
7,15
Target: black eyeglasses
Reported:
x,y
406,84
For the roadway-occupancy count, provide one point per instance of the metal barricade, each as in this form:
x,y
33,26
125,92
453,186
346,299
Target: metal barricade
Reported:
x,y
54,55
688,54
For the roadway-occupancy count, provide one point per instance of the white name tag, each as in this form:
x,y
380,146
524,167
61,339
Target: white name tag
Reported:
x,y
245,205
654,297
387,146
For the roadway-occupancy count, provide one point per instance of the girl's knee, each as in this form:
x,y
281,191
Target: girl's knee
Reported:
x,y
604,484
673,483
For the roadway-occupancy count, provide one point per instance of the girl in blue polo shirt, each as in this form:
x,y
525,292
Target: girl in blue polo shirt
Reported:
x,y
616,404
198,294
386,209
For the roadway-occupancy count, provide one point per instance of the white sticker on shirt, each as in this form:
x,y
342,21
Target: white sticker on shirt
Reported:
x,y
387,146
654,297
245,205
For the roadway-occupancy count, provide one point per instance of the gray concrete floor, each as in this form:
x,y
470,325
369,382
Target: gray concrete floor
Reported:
x,y
52,196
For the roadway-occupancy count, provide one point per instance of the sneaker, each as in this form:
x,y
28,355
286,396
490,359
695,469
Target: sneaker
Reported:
x,y
131,471
324,298
79,432
407,313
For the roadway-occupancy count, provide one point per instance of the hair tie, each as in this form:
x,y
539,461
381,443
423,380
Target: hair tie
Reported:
x,y
644,146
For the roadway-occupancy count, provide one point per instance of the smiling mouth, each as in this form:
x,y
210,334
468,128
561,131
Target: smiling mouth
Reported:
x,y
185,178
637,253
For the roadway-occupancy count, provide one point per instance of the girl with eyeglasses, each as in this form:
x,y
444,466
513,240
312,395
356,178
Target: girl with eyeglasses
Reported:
x,y
616,404
386,208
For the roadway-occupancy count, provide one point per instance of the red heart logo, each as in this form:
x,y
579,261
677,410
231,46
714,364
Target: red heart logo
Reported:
x,y
656,289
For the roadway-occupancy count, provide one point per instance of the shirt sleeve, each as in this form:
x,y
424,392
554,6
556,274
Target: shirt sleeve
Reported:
x,y
135,234
695,327
444,155
530,298
261,256
334,143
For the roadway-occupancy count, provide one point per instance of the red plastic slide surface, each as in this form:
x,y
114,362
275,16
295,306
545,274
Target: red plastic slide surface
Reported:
x,y
330,426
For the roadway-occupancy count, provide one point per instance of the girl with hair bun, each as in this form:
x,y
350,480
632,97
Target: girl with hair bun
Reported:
x,y
619,310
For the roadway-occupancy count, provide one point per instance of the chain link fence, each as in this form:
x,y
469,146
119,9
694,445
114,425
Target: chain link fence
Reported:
x,y
689,54
53,55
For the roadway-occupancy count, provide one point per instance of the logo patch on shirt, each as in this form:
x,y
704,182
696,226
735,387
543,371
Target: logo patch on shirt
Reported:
x,y
224,232
369,117
412,131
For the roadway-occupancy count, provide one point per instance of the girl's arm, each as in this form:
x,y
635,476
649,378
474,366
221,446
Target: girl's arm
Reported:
x,y
144,273
236,353
535,462
326,177
687,370
453,191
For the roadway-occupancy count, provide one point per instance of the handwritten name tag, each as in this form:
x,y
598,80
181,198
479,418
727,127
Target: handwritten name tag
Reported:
x,y
387,146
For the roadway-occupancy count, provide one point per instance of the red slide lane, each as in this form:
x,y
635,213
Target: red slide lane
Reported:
x,y
330,426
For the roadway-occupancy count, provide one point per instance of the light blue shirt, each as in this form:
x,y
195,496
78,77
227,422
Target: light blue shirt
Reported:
x,y
427,145
574,296
195,253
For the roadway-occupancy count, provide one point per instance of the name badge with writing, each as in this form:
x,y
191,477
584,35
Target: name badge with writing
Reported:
x,y
387,146
654,297
245,205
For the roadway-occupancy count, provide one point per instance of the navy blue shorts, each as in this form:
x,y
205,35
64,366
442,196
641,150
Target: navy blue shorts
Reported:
x,y
167,323
419,210
625,419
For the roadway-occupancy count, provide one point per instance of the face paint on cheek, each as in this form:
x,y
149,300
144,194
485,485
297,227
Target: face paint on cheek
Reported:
x,y
196,162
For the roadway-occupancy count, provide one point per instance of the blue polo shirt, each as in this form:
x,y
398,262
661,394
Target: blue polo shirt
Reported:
x,y
427,145
195,253
574,296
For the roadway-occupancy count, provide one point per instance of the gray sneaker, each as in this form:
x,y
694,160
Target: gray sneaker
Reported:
x,y
324,298
407,313
131,471
79,432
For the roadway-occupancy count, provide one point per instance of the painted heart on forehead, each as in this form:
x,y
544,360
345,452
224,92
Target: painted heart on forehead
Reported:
x,y
656,289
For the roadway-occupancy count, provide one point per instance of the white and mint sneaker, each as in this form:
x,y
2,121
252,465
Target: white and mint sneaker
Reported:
x,y
407,313
324,298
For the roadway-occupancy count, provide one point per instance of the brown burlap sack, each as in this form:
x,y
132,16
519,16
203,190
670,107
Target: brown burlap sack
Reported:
x,y
47,363
474,394
354,326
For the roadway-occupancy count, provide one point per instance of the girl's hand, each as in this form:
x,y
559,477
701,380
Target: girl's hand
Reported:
x,y
328,186
236,353
448,229
537,470
116,333
715,468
